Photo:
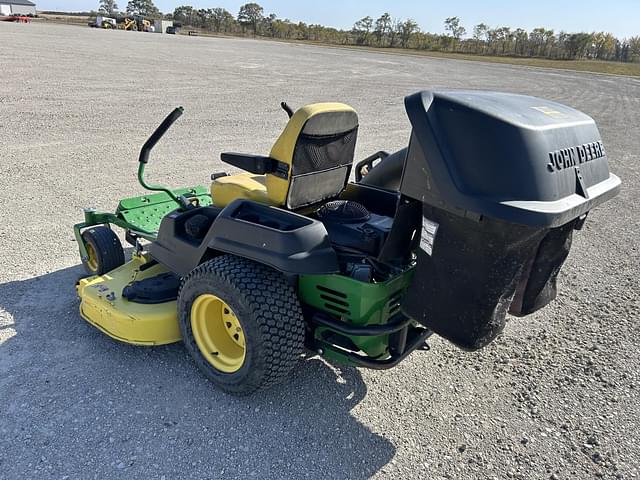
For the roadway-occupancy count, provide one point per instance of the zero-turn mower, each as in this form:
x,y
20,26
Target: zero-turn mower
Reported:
x,y
473,220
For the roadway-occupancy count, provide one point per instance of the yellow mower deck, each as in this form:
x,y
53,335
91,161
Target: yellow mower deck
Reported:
x,y
103,306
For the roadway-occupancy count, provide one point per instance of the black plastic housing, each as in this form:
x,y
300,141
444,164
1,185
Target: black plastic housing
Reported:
x,y
504,180
284,240
511,157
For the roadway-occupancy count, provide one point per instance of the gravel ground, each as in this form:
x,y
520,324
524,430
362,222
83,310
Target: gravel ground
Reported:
x,y
555,396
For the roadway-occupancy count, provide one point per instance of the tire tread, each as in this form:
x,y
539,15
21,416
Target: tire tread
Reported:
x,y
107,246
273,306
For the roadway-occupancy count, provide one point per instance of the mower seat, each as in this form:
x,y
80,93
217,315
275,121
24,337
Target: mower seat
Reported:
x,y
243,185
310,162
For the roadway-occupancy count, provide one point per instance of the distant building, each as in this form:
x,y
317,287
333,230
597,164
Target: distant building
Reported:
x,y
17,7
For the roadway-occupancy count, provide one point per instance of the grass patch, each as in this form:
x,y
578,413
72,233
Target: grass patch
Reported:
x,y
66,19
593,66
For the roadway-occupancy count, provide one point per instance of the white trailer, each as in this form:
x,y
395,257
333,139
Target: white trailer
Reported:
x,y
161,25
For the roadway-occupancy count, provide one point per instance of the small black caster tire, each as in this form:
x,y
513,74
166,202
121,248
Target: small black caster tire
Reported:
x,y
104,250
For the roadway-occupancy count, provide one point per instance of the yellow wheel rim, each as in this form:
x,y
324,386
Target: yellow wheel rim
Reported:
x,y
218,333
92,257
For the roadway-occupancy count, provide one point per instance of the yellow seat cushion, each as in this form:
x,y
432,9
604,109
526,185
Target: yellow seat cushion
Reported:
x,y
225,190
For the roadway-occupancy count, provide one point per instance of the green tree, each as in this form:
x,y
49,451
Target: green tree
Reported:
x,y
549,40
452,25
505,37
396,27
382,29
203,18
250,14
539,39
522,37
362,29
223,21
302,31
283,28
407,29
185,14
536,39
108,6
146,8
480,36
577,45
634,49
604,45
268,24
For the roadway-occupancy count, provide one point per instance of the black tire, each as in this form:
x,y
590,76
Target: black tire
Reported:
x,y
268,311
107,248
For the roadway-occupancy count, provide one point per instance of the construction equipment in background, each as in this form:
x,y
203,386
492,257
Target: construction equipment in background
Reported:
x,y
126,23
136,23
144,25
103,22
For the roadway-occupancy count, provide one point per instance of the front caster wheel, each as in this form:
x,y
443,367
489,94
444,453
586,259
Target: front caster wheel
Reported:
x,y
241,322
104,250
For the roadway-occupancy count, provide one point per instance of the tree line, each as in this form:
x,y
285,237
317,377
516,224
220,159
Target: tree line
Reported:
x,y
390,32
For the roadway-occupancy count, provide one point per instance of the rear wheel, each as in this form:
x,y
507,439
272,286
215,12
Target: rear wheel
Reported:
x,y
241,322
104,250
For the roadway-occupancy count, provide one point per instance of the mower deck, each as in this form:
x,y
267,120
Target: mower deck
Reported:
x,y
103,306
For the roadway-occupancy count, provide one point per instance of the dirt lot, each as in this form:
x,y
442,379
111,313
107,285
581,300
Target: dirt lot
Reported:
x,y
556,396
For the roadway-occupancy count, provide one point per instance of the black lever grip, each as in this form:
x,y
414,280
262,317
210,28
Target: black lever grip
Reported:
x,y
157,135
286,108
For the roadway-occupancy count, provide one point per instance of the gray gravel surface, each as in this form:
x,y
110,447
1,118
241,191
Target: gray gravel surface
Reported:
x,y
555,396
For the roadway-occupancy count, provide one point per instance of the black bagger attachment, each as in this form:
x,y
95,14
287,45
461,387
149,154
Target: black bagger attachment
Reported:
x,y
504,180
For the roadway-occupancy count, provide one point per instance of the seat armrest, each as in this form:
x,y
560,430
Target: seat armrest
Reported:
x,y
255,163
251,163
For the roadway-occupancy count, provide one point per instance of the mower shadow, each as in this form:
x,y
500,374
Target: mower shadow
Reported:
x,y
110,403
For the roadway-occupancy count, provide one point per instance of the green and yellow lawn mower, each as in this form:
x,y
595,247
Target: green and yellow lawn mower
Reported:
x,y
472,220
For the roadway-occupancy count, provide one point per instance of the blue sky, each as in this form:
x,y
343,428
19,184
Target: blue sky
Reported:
x,y
620,17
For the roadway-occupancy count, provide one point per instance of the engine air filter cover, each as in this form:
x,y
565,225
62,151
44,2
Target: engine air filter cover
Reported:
x,y
343,211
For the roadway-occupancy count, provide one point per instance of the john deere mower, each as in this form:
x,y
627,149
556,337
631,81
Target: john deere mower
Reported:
x,y
473,220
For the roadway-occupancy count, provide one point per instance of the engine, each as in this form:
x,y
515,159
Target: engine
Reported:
x,y
356,234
